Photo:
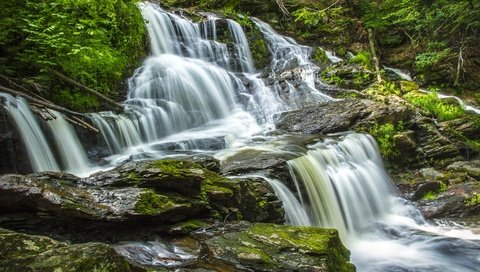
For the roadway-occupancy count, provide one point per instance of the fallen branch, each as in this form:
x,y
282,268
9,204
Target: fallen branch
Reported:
x,y
85,88
40,102
87,125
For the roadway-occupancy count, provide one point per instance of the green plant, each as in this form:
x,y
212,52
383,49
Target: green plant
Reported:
x,y
363,58
384,134
434,106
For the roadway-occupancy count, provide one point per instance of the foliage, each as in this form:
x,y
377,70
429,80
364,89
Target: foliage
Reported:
x,y
328,20
92,42
384,134
363,58
434,106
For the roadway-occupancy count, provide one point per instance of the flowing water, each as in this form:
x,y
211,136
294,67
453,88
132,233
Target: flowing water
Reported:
x,y
200,92
346,187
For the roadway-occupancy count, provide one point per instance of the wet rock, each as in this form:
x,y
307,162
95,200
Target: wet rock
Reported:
x,y
459,200
21,252
254,161
164,191
267,247
340,115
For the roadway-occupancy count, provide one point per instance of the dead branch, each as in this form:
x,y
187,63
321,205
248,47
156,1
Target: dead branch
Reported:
x,y
40,102
85,88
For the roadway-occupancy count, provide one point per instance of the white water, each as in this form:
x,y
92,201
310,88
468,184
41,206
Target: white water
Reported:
x,y
346,187
41,157
72,154
399,73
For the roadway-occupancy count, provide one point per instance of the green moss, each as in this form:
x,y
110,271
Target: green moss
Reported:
x,y
190,225
473,201
270,247
319,55
176,168
432,195
150,203
259,48
262,203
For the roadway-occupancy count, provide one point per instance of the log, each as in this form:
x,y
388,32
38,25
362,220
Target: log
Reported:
x,y
85,88
87,125
40,102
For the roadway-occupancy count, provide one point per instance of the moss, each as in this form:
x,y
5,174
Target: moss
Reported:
x,y
190,225
176,168
262,203
258,46
21,252
269,247
319,56
150,203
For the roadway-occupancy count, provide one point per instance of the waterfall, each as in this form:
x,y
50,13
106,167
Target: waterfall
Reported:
x,y
399,73
41,157
343,185
73,156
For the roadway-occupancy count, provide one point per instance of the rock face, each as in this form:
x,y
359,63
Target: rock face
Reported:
x,y
20,252
339,116
267,247
164,191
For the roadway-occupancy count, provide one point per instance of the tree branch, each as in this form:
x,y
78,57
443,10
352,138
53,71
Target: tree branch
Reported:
x,y
85,88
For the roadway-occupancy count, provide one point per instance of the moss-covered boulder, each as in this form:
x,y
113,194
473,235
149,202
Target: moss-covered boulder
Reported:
x,y
21,252
268,247
164,192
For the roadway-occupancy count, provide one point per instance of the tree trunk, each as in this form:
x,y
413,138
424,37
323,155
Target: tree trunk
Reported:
x,y
373,51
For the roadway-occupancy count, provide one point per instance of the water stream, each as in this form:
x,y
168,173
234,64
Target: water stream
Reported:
x,y
200,92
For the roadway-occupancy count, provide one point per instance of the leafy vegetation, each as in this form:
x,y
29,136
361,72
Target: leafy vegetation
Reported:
x,y
434,106
385,136
96,43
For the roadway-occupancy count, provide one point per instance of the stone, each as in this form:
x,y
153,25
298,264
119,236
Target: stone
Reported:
x,y
268,247
158,192
471,168
340,115
21,252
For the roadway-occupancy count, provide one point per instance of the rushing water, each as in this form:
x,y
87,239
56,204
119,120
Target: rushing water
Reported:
x,y
41,157
346,187
200,92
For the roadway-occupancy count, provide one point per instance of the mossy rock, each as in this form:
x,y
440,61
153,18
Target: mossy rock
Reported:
x,y
269,247
21,252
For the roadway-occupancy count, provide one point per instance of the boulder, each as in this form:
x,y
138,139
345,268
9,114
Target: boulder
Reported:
x,y
470,168
21,252
340,115
458,201
164,192
267,247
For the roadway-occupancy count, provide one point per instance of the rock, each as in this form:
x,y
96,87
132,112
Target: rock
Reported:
x,y
340,115
267,247
255,161
21,252
347,75
458,201
425,188
160,192
431,174
471,168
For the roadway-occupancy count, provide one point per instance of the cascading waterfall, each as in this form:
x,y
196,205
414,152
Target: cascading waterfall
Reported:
x,y
196,78
345,186
72,154
41,157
